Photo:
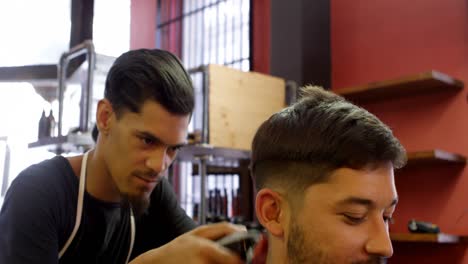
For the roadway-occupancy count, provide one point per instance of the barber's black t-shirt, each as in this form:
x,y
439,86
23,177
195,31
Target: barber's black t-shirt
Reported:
x,y
103,236
39,211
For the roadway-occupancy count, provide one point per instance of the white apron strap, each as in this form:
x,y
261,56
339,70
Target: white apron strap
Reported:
x,y
132,234
79,212
79,207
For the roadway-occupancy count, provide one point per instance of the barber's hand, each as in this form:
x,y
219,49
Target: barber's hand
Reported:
x,y
195,247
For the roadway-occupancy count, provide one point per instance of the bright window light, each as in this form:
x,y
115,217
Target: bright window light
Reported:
x,y
33,32
111,29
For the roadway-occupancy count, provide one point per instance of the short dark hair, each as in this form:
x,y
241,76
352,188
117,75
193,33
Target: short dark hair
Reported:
x,y
139,75
305,142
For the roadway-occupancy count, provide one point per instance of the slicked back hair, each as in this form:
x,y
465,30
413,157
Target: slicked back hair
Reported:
x,y
144,74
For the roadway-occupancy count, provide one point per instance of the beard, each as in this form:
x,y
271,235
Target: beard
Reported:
x,y
139,204
301,250
140,201
297,249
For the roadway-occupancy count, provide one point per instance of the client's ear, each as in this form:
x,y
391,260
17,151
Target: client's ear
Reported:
x,y
269,207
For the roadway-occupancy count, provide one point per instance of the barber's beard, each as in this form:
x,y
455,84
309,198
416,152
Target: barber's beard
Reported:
x,y
140,201
300,250
139,204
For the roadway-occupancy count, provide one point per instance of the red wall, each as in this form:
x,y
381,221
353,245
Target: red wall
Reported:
x,y
143,24
261,36
380,40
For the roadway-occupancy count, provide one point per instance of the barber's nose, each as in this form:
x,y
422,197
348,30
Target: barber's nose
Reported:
x,y
158,160
379,242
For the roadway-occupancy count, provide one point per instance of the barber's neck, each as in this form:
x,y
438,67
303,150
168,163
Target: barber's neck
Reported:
x,y
99,182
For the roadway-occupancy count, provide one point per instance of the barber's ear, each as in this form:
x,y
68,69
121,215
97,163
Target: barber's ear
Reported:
x,y
104,115
270,210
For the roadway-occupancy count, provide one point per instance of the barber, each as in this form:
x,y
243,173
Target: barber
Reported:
x,y
112,204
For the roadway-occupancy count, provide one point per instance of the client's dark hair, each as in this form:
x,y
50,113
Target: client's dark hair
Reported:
x,y
302,144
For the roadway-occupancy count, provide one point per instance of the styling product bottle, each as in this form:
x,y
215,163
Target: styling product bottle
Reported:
x,y
217,203
225,203
52,124
234,203
195,212
43,126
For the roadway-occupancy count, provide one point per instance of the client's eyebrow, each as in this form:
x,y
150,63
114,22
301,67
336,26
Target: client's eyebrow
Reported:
x,y
363,201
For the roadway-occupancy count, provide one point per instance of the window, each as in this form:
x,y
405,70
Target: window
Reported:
x,y
111,27
33,32
19,126
203,32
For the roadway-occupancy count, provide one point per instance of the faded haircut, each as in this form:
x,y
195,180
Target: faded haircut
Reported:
x,y
305,142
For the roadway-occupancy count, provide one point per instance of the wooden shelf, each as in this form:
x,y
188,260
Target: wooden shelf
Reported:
x,y
423,83
428,238
435,156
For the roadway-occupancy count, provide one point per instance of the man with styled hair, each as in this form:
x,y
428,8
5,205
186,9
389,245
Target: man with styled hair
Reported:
x,y
112,204
323,170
